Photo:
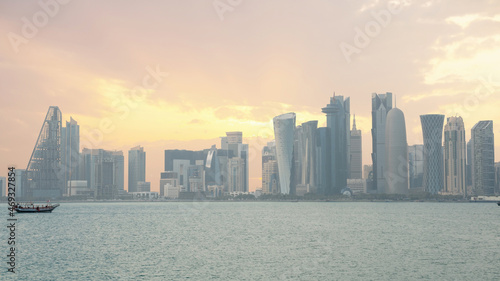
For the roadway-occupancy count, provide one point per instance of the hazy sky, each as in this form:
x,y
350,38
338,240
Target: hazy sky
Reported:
x,y
233,65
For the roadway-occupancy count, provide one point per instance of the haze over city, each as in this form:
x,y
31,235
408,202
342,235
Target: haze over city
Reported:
x,y
214,72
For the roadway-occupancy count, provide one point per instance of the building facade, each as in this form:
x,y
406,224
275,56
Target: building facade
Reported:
x,y
381,105
483,158
455,150
338,121
284,129
356,154
432,128
136,168
396,153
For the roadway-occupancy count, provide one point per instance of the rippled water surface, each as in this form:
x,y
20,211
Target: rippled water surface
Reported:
x,y
258,241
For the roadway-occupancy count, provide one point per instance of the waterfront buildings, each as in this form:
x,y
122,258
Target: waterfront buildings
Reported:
x,y
45,177
338,121
136,168
270,178
483,155
284,129
356,153
455,149
381,105
432,128
416,166
3,186
104,172
396,154
70,150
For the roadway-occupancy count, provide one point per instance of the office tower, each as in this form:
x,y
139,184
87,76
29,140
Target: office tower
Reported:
x,y
45,177
270,181
307,143
136,167
483,158
323,164
169,178
236,175
455,149
21,181
416,165
3,186
104,171
469,165
338,120
119,170
70,147
196,176
239,150
497,178
432,129
396,153
356,154
297,159
381,105
284,128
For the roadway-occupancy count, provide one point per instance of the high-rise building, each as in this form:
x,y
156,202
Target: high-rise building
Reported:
x,y
416,165
455,149
468,177
104,171
238,149
356,171
284,128
307,141
497,178
270,181
381,105
338,119
483,158
323,164
20,183
136,168
45,178
236,175
432,128
396,153
70,151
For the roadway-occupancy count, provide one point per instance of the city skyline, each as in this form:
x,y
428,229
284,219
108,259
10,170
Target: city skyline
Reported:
x,y
207,83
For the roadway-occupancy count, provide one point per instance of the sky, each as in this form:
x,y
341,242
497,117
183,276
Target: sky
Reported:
x,y
179,74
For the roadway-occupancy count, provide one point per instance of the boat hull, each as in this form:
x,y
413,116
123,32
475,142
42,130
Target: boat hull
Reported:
x,y
36,209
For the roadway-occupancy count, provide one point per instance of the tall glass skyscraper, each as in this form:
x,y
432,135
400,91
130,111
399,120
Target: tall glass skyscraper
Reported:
x,y
45,178
338,119
455,149
284,129
356,171
136,167
381,104
71,150
323,160
483,155
432,128
396,153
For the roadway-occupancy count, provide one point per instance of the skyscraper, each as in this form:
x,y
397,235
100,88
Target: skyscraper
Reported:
x,y
136,167
270,181
338,120
356,171
323,165
483,155
284,128
45,178
70,150
381,105
396,153
103,170
308,155
432,128
455,149
416,165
